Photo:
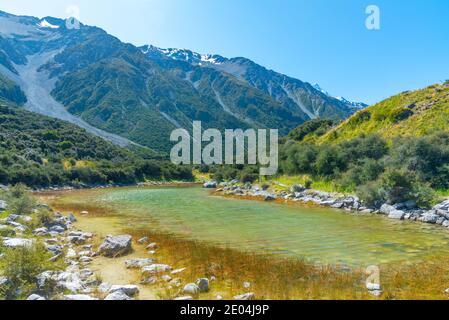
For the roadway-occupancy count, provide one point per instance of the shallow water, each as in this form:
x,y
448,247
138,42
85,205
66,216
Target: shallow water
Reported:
x,y
319,234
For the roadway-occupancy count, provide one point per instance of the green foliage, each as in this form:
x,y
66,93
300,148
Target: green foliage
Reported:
x,y
412,113
315,128
19,200
21,266
41,152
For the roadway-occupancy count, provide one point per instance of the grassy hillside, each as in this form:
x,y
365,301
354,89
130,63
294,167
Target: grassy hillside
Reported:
x,y
415,113
40,151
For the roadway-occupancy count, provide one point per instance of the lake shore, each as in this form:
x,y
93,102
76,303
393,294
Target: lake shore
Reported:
x,y
298,194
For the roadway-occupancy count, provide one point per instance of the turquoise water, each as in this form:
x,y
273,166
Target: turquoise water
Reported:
x,y
318,234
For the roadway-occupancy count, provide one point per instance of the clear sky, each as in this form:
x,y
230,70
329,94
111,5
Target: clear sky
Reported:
x,y
322,41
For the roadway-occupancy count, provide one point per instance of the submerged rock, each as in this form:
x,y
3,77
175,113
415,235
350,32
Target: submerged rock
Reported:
x,y
396,214
203,284
156,268
192,289
138,263
115,246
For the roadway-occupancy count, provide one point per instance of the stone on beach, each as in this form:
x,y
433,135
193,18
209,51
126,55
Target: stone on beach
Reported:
x,y
117,296
155,269
192,289
203,284
138,263
17,242
129,290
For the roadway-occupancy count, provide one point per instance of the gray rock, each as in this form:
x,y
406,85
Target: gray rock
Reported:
x,y
203,284
58,229
35,297
210,185
246,296
177,271
41,232
166,278
17,242
3,281
138,263
129,290
79,297
151,246
115,246
386,209
396,214
430,217
270,197
117,296
192,289
12,218
155,269
143,240
184,298
54,248
72,218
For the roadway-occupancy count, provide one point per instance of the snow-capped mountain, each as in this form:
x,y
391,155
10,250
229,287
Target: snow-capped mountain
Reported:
x,y
286,90
355,105
184,55
128,94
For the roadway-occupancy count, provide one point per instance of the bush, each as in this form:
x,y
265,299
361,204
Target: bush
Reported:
x,y
20,201
397,185
21,266
370,194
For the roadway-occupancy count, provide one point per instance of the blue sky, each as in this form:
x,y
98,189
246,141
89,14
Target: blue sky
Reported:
x,y
322,41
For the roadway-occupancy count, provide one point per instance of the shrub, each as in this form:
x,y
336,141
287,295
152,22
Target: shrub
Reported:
x,y
20,201
370,194
21,266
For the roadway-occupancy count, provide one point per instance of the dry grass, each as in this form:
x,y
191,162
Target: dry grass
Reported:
x,y
270,277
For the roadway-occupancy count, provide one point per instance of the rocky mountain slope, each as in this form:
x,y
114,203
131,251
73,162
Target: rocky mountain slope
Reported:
x,y
131,95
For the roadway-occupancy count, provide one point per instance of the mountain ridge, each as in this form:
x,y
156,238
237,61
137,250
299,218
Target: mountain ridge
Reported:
x,y
119,91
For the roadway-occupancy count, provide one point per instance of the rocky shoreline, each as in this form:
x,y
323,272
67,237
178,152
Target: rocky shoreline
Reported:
x,y
438,215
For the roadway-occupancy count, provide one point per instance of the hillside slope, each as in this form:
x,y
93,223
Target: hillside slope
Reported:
x,y
41,151
413,113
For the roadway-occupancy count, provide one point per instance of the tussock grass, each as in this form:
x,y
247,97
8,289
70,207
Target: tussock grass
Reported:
x,y
271,277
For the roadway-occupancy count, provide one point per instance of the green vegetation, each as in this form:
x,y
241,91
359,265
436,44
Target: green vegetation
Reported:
x,y
21,267
10,92
19,200
41,152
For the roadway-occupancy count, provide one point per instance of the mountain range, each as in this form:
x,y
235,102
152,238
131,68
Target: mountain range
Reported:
x,y
138,95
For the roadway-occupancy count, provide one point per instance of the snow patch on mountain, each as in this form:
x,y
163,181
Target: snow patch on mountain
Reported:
x,y
354,105
45,24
